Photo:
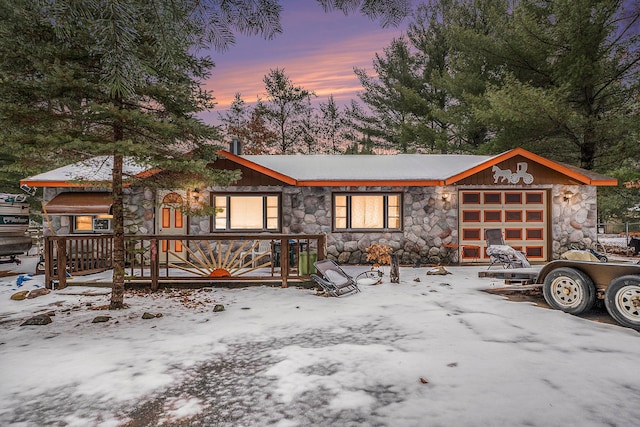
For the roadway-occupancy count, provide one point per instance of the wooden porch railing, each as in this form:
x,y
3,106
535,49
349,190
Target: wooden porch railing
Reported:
x,y
78,255
156,259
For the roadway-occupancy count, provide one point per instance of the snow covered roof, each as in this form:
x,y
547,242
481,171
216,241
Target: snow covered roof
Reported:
x,y
398,167
96,169
331,170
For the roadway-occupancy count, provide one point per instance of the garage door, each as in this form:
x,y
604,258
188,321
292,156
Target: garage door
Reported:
x,y
520,214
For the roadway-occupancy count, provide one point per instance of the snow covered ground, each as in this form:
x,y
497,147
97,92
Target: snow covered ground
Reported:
x,y
434,352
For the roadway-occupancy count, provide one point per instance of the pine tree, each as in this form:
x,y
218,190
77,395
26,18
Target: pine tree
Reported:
x,y
284,107
123,78
81,79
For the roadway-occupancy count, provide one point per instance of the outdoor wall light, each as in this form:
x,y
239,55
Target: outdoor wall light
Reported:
x,y
195,194
567,196
446,197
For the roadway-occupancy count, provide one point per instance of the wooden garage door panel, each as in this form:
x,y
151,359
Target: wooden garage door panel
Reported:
x,y
520,214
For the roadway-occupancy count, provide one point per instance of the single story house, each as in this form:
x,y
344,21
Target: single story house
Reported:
x,y
429,208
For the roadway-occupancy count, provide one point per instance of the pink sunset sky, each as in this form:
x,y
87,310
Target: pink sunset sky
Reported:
x,y
317,50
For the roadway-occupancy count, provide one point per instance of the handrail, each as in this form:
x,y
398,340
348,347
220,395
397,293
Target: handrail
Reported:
x,y
177,258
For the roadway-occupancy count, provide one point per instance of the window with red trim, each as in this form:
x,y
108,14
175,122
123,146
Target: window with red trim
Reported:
x,y
513,198
470,198
469,252
470,216
533,198
492,216
492,198
513,216
513,234
534,233
534,251
471,234
534,216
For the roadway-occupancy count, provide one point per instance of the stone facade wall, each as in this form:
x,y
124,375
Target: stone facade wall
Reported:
x,y
139,208
574,219
138,211
429,222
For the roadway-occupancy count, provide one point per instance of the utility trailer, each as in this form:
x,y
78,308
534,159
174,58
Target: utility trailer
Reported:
x,y
573,287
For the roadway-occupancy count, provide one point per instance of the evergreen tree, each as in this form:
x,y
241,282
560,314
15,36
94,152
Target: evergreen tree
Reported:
x,y
235,120
332,125
571,72
81,79
395,97
123,78
284,107
309,128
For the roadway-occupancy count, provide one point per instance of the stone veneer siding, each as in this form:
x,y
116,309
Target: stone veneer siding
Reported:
x,y
138,210
575,220
429,222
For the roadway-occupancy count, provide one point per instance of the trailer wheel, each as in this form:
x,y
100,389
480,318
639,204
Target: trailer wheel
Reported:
x,y
569,290
622,299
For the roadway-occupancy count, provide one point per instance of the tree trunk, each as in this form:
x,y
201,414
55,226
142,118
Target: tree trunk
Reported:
x,y
588,149
117,289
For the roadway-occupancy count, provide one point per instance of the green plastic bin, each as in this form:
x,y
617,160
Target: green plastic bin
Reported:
x,y
304,268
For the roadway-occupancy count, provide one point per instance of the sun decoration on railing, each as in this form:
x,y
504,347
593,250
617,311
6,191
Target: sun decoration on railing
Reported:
x,y
206,262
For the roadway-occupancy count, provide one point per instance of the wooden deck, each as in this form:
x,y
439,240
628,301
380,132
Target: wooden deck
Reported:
x,y
215,260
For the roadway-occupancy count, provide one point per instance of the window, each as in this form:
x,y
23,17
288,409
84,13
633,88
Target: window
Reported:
x,y
513,234
534,251
492,198
534,233
534,216
492,216
178,218
246,212
513,216
366,212
84,223
513,198
470,216
471,234
534,198
92,224
470,198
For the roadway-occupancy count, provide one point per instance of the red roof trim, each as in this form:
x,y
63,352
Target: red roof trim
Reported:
x,y
533,157
258,168
356,183
57,184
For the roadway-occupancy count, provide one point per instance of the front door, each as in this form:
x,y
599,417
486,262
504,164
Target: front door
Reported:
x,y
171,221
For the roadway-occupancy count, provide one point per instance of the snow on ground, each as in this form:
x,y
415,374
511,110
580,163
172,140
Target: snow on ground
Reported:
x,y
438,352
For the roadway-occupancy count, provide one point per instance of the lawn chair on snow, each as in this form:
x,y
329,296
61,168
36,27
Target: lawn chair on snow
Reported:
x,y
502,254
335,282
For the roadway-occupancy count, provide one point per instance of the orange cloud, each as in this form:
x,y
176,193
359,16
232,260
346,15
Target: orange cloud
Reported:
x,y
325,70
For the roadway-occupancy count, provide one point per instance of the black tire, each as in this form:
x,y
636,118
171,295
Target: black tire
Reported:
x,y
622,299
569,290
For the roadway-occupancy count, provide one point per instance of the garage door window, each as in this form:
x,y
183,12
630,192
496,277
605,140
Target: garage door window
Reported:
x,y
492,198
513,198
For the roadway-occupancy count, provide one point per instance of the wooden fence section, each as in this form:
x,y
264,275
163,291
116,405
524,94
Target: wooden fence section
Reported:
x,y
156,259
78,255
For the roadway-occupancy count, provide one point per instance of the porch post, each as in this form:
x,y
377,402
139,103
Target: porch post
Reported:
x,y
48,262
61,250
322,245
154,264
284,261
